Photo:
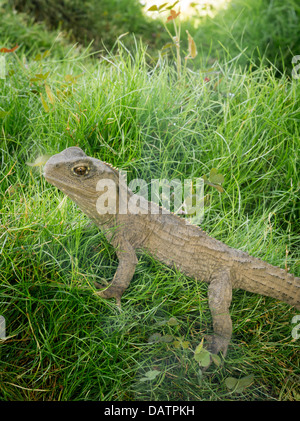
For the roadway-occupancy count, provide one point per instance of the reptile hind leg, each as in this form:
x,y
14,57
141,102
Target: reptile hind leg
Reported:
x,y
219,298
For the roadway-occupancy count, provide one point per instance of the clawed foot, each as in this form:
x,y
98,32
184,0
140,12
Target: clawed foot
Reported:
x,y
217,344
110,292
205,356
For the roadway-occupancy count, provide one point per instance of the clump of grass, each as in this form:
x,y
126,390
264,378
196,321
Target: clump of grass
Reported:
x,y
65,343
261,31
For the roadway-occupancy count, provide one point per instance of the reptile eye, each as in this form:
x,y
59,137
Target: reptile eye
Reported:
x,y
81,170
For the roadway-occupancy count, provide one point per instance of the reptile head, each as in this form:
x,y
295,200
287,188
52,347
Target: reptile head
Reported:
x,y
77,175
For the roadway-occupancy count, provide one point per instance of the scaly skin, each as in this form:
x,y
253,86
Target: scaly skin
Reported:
x,y
169,239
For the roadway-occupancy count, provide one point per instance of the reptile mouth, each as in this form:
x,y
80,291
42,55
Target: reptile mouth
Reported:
x,y
69,189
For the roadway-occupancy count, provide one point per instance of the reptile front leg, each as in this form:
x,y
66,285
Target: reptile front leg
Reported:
x,y
124,273
219,298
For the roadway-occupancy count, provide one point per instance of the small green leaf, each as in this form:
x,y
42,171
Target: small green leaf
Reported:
x,y
181,344
199,347
216,359
201,355
231,382
71,80
166,338
213,172
162,6
46,54
167,46
173,321
246,381
239,385
218,178
150,375
214,180
203,358
154,338
173,5
42,76
39,77
153,8
162,322
38,57
198,357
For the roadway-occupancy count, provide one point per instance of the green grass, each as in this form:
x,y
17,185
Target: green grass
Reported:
x,y
65,343
265,31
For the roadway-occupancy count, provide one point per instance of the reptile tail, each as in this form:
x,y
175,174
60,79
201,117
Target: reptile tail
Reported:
x,y
255,275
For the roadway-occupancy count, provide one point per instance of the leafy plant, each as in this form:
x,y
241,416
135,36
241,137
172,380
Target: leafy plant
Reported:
x,y
215,179
239,385
166,338
204,357
150,375
176,39
38,78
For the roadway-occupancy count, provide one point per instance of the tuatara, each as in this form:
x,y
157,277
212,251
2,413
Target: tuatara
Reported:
x,y
167,237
